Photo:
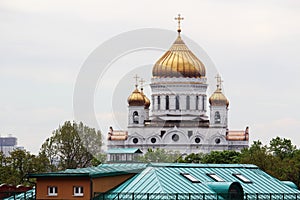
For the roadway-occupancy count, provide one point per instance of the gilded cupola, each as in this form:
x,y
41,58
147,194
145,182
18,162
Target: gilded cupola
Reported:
x,y
179,61
136,98
218,98
146,100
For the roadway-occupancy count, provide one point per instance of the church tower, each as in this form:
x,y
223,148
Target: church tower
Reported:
x,y
138,107
218,107
178,83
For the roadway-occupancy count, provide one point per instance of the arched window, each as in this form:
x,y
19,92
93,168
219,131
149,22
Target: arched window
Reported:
x,y
135,117
177,102
197,102
158,102
167,102
217,118
187,102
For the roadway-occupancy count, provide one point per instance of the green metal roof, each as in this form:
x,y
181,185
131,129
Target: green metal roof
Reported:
x,y
124,151
100,170
164,180
169,181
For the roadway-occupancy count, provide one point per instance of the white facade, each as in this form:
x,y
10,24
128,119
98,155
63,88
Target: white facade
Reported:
x,y
178,119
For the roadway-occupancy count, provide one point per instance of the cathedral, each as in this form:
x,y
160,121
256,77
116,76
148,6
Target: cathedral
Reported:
x,y
180,119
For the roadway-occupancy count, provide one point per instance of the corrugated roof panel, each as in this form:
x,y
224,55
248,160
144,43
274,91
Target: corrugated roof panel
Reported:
x,y
101,170
166,179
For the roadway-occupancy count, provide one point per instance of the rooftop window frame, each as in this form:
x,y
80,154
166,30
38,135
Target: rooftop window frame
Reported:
x,y
190,177
242,178
215,177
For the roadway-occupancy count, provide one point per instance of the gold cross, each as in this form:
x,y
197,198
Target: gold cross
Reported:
x,y
219,81
179,19
142,82
136,80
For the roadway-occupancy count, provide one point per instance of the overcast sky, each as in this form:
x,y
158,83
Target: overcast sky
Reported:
x,y
254,45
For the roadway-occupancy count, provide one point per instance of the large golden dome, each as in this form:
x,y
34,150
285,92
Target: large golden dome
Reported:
x,y
136,98
218,98
179,61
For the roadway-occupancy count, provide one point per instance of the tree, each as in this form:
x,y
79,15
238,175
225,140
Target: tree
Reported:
x,y
216,157
258,155
73,146
160,155
15,167
282,147
192,158
221,157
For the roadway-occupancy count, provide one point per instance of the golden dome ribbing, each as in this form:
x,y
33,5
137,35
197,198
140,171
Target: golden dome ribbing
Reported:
x,y
179,61
218,98
136,98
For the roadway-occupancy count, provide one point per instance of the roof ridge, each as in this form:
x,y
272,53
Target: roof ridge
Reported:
x,y
159,182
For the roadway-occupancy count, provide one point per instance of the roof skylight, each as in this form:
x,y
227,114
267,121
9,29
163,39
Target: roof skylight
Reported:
x,y
215,177
190,177
242,178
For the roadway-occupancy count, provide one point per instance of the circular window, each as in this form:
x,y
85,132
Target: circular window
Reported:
x,y
135,140
197,140
175,137
153,140
217,141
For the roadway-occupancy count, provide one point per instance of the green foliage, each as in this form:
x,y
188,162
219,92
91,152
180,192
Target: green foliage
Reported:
x,y
70,146
73,146
221,157
258,155
14,168
282,148
159,156
192,158
217,157
281,158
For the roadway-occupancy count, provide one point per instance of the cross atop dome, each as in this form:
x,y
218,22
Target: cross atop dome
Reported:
x,y
179,18
142,81
136,80
219,81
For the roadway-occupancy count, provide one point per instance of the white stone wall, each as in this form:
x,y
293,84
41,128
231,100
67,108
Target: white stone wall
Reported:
x,y
186,140
142,115
182,87
223,111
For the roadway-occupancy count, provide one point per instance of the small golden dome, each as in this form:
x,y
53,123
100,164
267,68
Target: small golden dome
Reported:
x,y
179,61
136,98
218,98
147,101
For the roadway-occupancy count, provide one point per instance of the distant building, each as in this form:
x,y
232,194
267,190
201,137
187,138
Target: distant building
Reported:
x,y
8,144
164,181
123,155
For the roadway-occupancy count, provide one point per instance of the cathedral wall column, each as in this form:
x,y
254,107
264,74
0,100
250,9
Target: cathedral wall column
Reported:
x,y
193,102
200,102
162,102
205,102
172,102
182,102
155,103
